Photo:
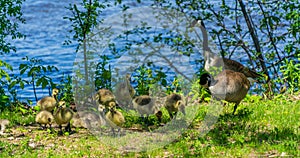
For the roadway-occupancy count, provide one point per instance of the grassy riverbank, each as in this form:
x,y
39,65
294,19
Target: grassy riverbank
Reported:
x,y
259,128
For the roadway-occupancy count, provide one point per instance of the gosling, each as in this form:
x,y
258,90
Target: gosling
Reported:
x,y
44,117
115,120
104,97
228,85
125,92
63,115
145,105
48,103
174,103
3,123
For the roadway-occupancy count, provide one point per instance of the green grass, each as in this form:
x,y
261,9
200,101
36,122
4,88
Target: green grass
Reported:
x,y
259,128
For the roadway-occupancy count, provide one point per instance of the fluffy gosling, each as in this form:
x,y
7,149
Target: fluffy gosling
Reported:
x,y
115,119
145,105
63,115
104,97
43,118
174,103
48,103
228,85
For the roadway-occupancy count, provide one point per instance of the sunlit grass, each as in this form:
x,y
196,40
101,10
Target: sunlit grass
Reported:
x,y
259,128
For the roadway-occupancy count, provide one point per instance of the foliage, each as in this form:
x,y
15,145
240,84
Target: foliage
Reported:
x,y
83,19
37,72
291,75
4,99
103,74
265,40
65,89
11,15
147,77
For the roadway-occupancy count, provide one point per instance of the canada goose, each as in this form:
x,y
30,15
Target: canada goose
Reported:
x,y
228,85
145,105
3,123
104,97
49,103
44,117
63,115
173,103
212,60
115,119
125,92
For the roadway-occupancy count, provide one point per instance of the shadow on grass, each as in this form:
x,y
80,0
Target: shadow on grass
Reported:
x,y
238,129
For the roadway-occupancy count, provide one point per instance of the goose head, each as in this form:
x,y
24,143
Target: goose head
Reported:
x,y
206,80
55,92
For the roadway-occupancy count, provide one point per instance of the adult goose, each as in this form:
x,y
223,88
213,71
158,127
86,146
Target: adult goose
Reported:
x,y
212,60
228,85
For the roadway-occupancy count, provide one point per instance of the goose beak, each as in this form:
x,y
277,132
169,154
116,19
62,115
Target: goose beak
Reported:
x,y
252,80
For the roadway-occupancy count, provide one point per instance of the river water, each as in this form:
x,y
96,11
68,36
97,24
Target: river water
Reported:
x,y
46,32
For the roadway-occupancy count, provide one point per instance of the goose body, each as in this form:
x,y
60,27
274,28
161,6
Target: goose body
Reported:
x,y
228,85
115,119
63,115
48,103
174,102
44,118
213,61
144,104
104,97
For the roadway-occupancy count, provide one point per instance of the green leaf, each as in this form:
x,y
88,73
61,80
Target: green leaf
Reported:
x,y
22,84
23,66
44,82
38,82
12,84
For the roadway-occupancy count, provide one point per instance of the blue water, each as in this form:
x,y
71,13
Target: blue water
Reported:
x,y
46,32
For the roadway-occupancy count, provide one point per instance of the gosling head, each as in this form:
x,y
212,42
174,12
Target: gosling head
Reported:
x,y
101,108
62,104
112,104
55,92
